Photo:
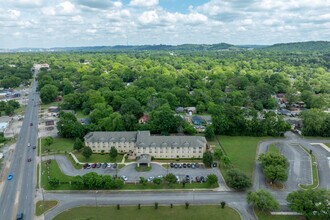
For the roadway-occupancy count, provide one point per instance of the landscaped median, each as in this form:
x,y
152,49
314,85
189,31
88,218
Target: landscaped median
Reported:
x,y
315,173
44,206
143,212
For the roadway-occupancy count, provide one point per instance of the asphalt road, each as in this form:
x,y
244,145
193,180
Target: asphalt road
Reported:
x,y
16,195
70,200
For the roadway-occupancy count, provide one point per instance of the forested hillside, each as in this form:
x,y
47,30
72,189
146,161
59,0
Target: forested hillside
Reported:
x,y
321,46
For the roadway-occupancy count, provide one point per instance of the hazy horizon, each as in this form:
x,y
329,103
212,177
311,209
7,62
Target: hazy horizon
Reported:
x,y
81,23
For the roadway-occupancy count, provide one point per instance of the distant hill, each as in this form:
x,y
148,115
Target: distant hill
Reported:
x,y
322,46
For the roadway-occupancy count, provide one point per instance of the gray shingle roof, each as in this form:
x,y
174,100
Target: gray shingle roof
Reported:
x,y
143,138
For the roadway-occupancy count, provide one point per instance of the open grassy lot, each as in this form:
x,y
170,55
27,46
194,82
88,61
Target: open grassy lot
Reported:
x,y
272,148
42,207
149,212
60,145
52,170
98,158
242,151
268,216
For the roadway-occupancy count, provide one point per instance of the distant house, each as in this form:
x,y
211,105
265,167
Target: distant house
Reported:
x,y
49,122
53,109
179,109
58,99
190,110
144,119
85,121
197,120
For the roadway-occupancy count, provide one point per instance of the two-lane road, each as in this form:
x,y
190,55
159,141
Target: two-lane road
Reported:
x,y
17,195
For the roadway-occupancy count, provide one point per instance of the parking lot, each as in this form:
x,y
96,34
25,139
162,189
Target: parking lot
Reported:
x,y
133,176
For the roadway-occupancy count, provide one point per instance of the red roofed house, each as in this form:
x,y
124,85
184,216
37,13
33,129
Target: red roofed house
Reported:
x,y
144,119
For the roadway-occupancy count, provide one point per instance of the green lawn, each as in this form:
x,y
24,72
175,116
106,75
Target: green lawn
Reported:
x,y
98,158
52,171
272,148
60,145
242,151
268,216
178,212
46,106
328,144
42,207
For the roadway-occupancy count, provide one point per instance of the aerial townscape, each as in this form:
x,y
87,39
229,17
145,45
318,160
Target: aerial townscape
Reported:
x,y
119,109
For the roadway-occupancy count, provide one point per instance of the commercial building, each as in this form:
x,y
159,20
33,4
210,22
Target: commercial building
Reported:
x,y
137,143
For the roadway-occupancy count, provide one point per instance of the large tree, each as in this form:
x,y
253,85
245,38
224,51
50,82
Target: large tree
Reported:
x,y
208,159
48,93
237,180
275,173
262,200
310,203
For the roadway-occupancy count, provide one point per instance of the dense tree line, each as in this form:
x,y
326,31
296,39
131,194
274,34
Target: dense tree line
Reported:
x,y
316,123
93,180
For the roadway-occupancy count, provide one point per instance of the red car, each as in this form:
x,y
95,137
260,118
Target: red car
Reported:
x,y
94,165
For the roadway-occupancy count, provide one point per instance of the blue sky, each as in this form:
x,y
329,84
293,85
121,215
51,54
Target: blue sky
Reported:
x,y
60,23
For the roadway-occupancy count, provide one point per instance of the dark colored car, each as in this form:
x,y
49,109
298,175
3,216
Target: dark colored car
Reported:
x,y
31,124
187,178
19,216
94,165
184,165
202,179
85,165
176,165
188,165
88,166
198,179
114,165
98,165
104,165
180,165
171,165
34,147
29,160
196,165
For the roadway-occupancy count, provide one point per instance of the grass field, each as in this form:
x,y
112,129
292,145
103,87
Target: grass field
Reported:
x,y
242,151
268,216
42,207
143,168
272,148
178,212
52,171
59,145
98,158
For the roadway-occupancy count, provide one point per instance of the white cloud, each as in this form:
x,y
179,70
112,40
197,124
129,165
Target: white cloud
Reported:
x,y
49,11
26,3
66,8
14,14
144,3
91,31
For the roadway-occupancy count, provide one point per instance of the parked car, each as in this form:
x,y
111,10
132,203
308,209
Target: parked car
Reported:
x,y
124,178
184,165
202,179
188,165
177,178
34,147
98,165
31,124
214,165
94,165
193,166
176,166
89,166
29,160
114,165
171,165
10,177
160,176
104,165
198,179
150,179
180,165
85,165
109,165
29,145
187,178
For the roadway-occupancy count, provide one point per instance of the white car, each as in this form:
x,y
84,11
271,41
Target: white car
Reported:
x,y
109,165
150,179
124,178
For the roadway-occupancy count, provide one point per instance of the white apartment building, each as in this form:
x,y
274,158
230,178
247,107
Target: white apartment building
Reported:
x,y
141,142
